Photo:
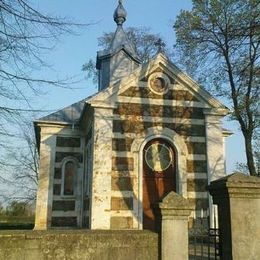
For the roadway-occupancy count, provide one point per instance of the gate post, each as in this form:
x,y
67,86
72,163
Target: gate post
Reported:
x,y
238,200
175,211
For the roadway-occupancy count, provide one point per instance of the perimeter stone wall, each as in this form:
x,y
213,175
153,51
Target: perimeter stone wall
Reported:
x,y
74,245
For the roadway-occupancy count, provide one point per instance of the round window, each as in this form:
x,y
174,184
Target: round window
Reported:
x,y
159,83
158,157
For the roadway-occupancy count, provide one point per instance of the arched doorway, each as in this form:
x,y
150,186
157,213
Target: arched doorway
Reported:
x,y
159,177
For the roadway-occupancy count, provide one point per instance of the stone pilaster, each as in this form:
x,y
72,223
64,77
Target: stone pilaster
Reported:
x,y
214,137
238,200
102,167
46,171
175,211
215,156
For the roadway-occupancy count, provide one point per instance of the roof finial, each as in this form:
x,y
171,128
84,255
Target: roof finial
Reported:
x,y
120,13
160,44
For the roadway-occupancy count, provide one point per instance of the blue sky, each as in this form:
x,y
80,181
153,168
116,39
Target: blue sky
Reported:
x,y
72,51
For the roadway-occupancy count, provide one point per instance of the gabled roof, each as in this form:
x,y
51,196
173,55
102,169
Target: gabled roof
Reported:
x,y
72,114
160,61
67,115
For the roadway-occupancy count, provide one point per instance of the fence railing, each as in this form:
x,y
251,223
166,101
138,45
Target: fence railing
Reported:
x,y
204,244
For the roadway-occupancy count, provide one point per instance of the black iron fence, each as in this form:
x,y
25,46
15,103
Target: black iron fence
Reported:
x,y
204,244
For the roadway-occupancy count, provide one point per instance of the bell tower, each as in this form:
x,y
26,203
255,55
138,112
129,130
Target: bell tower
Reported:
x,y
120,59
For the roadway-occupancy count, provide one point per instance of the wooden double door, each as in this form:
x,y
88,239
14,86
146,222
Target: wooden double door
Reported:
x,y
159,178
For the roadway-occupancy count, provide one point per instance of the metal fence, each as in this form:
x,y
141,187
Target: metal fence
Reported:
x,y
204,245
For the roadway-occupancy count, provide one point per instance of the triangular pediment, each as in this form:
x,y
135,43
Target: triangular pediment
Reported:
x,y
181,88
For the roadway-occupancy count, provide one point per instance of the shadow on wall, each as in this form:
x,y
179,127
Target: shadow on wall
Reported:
x,y
138,109
172,110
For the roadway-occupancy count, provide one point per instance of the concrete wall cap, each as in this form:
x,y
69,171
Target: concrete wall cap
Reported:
x,y
237,185
174,201
236,180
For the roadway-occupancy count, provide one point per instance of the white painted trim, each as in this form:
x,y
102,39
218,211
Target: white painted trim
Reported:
x,y
162,102
122,154
121,194
122,174
100,200
161,119
175,86
159,75
45,186
196,157
190,157
197,195
192,139
65,131
122,213
160,61
197,175
196,139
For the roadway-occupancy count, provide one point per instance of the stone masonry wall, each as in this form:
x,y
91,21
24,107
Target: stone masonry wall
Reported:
x,y
133,119
65,209
79,245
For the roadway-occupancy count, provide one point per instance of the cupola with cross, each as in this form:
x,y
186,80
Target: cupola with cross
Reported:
x,y
120,59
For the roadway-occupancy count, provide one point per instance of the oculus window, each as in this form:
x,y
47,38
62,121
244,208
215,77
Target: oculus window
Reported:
x,y
158,157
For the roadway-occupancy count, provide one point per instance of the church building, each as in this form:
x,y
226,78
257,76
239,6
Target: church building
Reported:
x,y
106,160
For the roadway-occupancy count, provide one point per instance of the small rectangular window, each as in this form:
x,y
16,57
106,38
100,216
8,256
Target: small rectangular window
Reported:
x,y
69,178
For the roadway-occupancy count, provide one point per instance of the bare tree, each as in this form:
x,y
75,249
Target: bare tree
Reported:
x,y
25,34
20,167
1,209
144,43
222,39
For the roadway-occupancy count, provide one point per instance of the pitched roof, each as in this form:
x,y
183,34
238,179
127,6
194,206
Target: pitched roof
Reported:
x,y
73,113
70,114
161,61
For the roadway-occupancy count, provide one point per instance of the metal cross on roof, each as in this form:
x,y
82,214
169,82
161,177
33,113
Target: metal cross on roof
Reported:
x,y
160,44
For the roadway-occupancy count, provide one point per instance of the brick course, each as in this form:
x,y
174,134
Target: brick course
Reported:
x,y
159,111
121,203
121,222
170,95
122,184
197,185
196,166
127,126
122,164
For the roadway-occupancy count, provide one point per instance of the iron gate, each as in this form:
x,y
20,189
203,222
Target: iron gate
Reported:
x,y
204,245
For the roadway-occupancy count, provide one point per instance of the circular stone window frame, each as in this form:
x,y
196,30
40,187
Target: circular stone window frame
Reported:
x,y
162,76
168,163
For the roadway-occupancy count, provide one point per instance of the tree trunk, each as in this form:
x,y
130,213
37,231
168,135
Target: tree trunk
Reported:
x,y
249,154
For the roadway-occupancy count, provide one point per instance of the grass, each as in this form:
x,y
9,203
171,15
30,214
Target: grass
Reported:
x,y
16,223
